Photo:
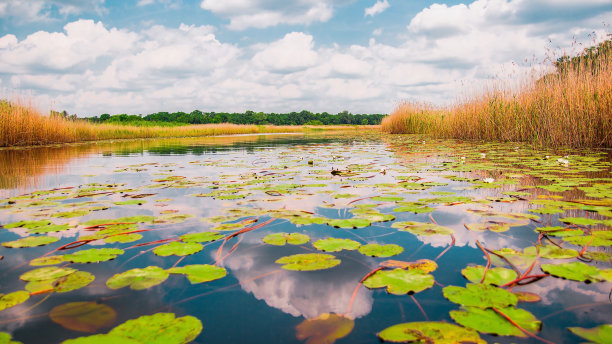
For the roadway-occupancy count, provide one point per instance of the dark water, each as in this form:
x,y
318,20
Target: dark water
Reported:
x,y
258,302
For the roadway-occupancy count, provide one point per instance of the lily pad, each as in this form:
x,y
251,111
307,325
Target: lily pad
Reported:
x,y
422,228
580,221
495,276
138,279
336,245
6,338
399,281
13,299
349,223
280,239
377,250
308,261
201,237
46,273
575,271
178,249
601,334
31,241
123,238
160,328
200,273
424,265
29,224
48,260
63,284
429,332
94,255
326,328
489,321
480,295
85,316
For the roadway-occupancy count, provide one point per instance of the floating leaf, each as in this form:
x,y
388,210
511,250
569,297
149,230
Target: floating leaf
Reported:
x,y
421,228
13,299
200,273
336,245
201,237
350,223
480,295
83,316
580,221
590,240
308,261
417,209
491,226
138,279
429,332
49,260
160,328
601,334
495,276
49,229
29,224
399,281
228,226
280,239
6,338
424,265
123,238
489,321
519,259
387,198
324,329
524,296
575,271
94,255
376,250
31,241
63,284
46,273
178,249
554,252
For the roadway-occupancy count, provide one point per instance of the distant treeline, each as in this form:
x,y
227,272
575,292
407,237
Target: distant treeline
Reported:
x,y
248,117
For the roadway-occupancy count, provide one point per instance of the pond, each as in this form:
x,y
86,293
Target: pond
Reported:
x,y
316,238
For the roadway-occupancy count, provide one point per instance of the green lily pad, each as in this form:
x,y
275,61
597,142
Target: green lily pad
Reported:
x,y
518,258
63,284
228,226
480,295
49,229
429,332
422,228
592,241
13,299
123,238
491,226
46,273
130,202
6,338
94,255
399,281
554,252
29,224
160,328
575,271
336,245
350,223
178,249
85,316
138,279
489,321
495,276
601,334
49,260
202,237
376,250
280,239
580,221
31,241
417,209
308,261
200,273
387,198
558,231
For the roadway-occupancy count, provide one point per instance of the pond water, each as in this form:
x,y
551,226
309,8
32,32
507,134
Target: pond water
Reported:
x,y
82,222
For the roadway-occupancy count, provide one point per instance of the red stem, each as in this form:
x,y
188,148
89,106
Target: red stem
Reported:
x,y
348,310
484,275
448,248
520,328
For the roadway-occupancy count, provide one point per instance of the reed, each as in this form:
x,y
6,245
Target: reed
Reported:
x,y
571,107
21,124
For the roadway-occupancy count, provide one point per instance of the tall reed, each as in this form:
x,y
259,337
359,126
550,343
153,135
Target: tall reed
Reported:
x,y
22,125
571,107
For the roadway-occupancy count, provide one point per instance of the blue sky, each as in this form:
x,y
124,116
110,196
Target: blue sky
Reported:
x,y
365,56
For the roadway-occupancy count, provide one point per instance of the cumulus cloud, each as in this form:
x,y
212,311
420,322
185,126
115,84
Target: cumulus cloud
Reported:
x,y
33,10
265,13
291,53
377,8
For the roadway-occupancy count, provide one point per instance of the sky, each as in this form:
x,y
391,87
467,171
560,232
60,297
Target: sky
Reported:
x,y
90,57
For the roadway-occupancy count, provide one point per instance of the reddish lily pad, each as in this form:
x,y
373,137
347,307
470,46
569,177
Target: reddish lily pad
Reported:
x,y
86,316
326,328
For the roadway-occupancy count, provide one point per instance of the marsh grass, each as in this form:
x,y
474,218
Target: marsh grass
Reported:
x,y
21,124
571,107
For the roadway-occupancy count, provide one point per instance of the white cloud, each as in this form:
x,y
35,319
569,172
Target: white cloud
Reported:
x,y
377,8
35,10
292,53
265,13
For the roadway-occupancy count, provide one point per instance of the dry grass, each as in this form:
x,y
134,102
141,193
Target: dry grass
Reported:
x,y
572,108
21,124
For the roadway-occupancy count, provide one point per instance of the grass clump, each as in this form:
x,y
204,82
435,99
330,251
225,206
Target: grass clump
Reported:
x,y
570,107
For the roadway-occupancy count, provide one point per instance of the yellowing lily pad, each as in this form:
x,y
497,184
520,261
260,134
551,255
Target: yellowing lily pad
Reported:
x,y
86,316
31,241
326,328
377,250
399,281
429,332
308,261
336,245
280,239
200,273
138,279
13,299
